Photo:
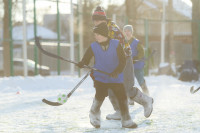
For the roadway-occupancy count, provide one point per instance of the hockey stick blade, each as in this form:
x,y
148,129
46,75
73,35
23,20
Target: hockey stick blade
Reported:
x,y
68,95
51,103
194,91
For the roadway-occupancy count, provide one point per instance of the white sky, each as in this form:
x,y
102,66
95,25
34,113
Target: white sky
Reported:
x,y
50,7
188,2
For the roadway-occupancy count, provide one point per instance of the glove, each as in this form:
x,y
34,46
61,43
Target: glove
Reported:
x,y
114,74
134,62
127,51
80,64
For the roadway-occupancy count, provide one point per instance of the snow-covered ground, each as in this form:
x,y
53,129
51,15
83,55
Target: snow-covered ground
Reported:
x,y
22,111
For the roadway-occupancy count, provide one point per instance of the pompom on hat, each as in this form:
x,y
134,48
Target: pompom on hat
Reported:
x,y
99,14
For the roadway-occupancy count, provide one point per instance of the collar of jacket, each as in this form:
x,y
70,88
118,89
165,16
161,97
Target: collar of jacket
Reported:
x,y
105,43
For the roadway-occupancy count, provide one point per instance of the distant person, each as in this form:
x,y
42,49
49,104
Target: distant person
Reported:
x,y
98,17
109,57
138,56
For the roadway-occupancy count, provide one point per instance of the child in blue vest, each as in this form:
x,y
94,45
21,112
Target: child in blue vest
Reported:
x,y
98,17
109,57
137,55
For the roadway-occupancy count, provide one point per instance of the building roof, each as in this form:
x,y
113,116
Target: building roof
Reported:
x,y
183,8
179,6
42,32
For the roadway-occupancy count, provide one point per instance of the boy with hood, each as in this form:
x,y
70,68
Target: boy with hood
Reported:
x,y
109,57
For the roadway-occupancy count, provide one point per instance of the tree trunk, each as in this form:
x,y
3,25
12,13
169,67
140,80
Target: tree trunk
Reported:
x,y
171,33
6,36
88,8
195,28
131,11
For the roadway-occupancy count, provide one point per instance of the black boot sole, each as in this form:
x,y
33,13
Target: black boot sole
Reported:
x,y
96,126
113,119
133,126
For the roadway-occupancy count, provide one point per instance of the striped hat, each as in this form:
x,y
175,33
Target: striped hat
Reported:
x,y
99,14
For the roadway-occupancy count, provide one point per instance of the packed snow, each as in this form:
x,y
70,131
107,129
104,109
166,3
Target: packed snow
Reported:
x,y
22,111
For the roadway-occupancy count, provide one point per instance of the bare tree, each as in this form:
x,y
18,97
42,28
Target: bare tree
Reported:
x,y
131,10
171,33
195,27
6,36
88,7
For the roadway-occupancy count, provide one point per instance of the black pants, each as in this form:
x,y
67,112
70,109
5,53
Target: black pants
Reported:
x,y
102,90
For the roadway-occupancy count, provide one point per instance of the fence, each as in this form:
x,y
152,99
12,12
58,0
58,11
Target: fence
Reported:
x,y
178,40
51,22
55,21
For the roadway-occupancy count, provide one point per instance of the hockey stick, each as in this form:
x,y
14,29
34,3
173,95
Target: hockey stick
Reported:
x,y
68,95
194,91
37,42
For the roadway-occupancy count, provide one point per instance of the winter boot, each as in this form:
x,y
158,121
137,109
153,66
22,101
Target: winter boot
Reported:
x,y
145,101
95,113
114,116
144,88
126,118
128,124
130,101
114,102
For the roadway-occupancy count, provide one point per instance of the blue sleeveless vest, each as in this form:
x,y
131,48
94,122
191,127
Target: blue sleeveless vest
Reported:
x,y
138,64
106,61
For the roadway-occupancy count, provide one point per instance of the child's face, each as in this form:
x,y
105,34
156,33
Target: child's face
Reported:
x,y
128,34
97,22
99,38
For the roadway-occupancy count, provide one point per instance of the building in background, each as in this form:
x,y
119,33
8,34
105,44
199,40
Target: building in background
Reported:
x,y
152,10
